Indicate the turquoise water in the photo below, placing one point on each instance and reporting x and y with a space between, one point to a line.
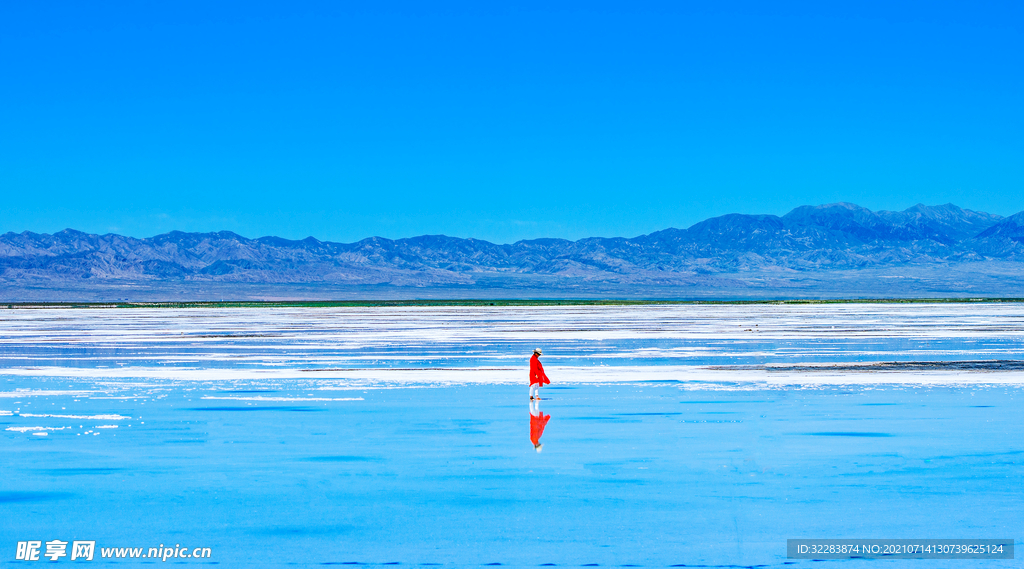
647 475
304 437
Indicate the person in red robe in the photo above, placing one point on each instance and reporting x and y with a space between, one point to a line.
537 376
538 421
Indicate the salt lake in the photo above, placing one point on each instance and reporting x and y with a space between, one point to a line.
679 435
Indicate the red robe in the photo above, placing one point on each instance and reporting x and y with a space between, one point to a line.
537 374
537 424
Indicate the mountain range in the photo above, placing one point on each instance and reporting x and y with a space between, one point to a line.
730 252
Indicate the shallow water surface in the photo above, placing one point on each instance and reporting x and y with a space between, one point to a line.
265 435
628 475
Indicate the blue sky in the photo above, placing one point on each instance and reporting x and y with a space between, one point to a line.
499 120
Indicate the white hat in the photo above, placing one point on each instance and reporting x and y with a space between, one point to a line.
536 351
538 447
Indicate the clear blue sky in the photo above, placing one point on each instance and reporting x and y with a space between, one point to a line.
499 120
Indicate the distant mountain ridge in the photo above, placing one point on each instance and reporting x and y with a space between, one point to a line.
821 238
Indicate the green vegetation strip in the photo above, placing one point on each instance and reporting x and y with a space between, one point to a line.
501 302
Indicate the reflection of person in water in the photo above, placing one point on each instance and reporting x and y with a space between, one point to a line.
538 421
537 375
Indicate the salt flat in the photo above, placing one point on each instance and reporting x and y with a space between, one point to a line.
696 435
343 347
